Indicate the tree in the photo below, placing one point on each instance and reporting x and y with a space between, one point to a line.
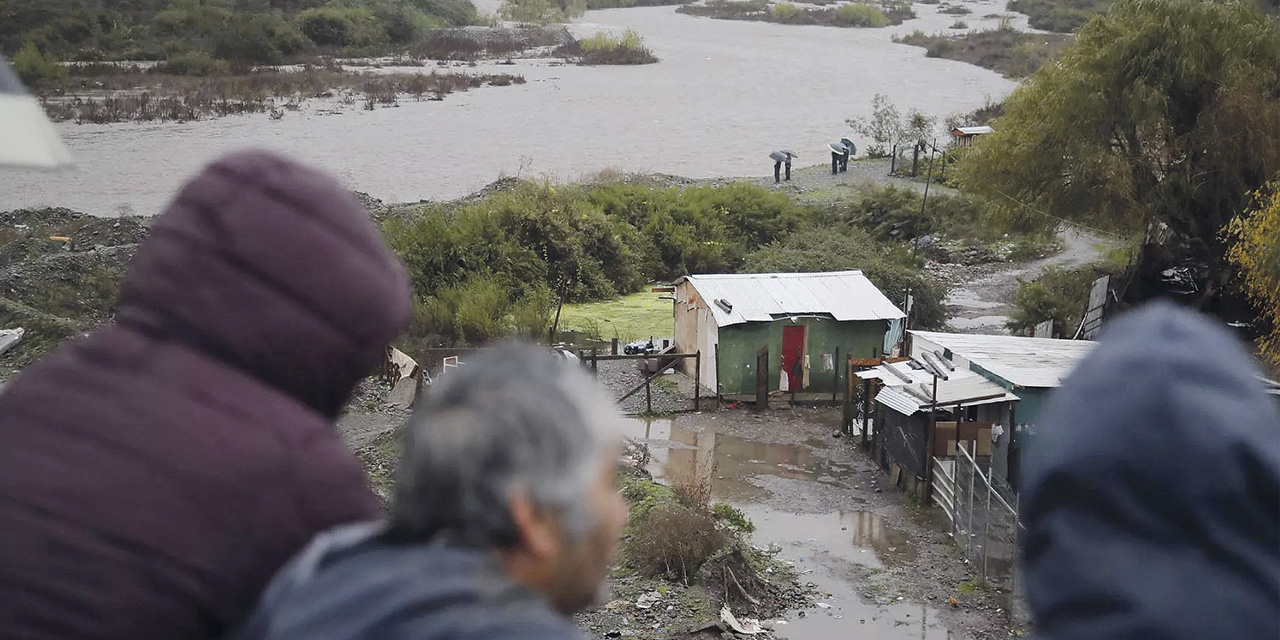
541 11
1255 251
888 127
1161 111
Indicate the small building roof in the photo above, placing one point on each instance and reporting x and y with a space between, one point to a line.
762 297
966 391
1026 362
960 132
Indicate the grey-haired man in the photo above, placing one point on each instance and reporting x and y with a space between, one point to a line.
506 517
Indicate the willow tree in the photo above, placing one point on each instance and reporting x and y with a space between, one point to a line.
1159 111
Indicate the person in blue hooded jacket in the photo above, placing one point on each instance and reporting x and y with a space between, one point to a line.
1152 496
506 517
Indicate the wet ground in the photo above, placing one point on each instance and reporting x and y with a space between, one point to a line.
883 569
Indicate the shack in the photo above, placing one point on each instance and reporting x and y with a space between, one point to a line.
964 136
808 322
913 397
1031 368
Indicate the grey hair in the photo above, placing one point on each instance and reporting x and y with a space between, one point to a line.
514 418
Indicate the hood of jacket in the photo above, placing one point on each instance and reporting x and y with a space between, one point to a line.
1152 495
275 269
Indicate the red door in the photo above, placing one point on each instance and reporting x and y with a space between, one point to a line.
793 355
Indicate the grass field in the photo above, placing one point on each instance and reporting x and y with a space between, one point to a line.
633 317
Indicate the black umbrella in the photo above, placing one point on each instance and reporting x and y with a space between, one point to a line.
27 138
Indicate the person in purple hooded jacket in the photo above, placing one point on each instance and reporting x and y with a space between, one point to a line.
156 474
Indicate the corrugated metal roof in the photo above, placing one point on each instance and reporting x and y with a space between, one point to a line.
1026 362
887 378
967 391
761 297
973 131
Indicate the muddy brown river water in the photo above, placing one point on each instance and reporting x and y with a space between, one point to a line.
724 95
829 548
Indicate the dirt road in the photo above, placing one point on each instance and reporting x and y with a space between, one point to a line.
981 296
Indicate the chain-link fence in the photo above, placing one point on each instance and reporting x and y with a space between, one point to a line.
984 520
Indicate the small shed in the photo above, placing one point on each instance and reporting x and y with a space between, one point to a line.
808 322
1032 368
963 136
965 408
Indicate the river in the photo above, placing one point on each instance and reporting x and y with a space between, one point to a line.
724 95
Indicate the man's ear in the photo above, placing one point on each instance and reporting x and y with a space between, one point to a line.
539 532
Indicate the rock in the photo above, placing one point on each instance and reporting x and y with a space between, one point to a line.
837 434
613 634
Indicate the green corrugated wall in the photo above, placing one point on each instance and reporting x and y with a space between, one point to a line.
740 343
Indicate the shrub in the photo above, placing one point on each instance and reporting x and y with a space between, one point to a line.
258 40
192 63
673 541
733 518
693 493
456 13
36 69
1058 294
341 27
605 48
542 11
860 15
787 12
959 24
941 48
403 24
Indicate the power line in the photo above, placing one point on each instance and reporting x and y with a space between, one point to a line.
1060 219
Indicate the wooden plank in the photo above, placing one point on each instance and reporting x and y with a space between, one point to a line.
895 474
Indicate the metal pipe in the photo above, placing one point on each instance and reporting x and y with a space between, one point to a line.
974 470
986 530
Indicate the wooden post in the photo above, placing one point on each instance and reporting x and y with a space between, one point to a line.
595 364
866 411
719 395
697 380
613 347
762 379
893 160
835 382
648 396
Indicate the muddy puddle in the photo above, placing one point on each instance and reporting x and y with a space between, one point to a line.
831 549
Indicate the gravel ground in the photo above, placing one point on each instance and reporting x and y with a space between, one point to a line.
671 393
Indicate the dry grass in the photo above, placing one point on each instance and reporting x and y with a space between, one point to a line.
133 95
675 542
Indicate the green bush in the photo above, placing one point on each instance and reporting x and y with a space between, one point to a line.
404 24
1058 294
941 48
606 48
192 63
542 11
341 27
860 15
733 518
36 69
258 40
454 13
787 12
